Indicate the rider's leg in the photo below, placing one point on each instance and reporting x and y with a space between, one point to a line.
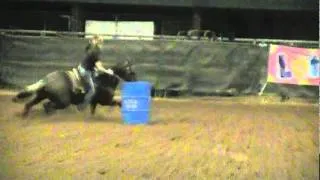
90 90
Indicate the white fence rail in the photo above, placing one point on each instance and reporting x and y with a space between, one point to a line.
45 33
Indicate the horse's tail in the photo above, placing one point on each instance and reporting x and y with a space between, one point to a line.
29 90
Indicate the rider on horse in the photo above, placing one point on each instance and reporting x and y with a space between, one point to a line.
88 65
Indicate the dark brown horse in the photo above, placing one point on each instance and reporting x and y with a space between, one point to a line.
63 88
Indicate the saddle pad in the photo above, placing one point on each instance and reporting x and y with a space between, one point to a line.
77 84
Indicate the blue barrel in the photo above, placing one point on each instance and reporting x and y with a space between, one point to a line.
136 102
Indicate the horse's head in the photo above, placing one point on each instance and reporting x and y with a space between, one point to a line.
121 70
124 71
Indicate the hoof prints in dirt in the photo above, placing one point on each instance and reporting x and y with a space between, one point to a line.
119 145
102 171
146 176
175 138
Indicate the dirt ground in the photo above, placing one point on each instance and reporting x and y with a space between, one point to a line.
197 138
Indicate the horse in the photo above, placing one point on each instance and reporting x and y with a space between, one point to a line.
65 88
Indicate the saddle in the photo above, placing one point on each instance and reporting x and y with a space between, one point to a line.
78 85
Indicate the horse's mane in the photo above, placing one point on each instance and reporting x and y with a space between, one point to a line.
110 80
120 65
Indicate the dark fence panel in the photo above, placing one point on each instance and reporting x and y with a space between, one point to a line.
194 67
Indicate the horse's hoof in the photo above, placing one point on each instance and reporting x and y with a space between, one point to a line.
88 117
284 98
24 115
46 108
15 99
81 107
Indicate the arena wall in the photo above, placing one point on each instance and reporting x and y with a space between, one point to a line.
193 67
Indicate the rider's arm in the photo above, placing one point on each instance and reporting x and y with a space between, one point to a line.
100 67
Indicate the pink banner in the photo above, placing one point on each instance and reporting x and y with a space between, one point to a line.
291 65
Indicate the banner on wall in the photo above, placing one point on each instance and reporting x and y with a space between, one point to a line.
128 30
291 65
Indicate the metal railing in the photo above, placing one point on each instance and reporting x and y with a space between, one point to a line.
45 33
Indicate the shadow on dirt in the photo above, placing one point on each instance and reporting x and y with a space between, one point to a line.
68 115
161 121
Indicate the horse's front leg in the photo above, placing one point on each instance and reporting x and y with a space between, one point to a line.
112 105
93 106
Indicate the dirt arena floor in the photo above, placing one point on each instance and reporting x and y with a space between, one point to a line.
196 138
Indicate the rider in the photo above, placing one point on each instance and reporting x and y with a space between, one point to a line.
88 65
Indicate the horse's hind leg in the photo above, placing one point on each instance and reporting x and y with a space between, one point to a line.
31 103
49 107
93 107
